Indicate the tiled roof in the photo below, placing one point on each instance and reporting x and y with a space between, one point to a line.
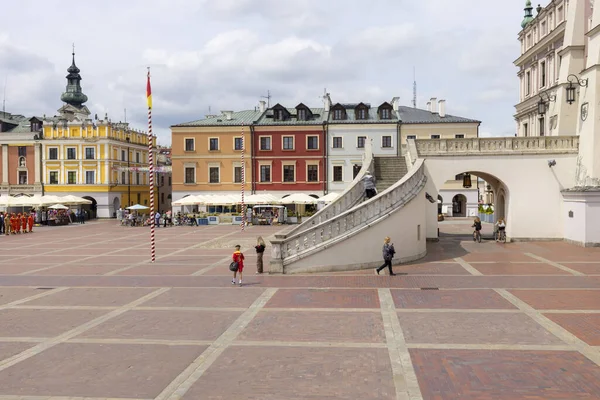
373 117
13 123
410 115
318 118
238 118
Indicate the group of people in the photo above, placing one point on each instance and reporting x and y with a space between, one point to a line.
237 264
16 223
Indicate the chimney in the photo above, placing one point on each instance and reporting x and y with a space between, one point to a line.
396 103
433 104
262 105
326 102
227 114
428 106
442 104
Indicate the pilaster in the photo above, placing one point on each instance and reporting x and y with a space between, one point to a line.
37 162
5 164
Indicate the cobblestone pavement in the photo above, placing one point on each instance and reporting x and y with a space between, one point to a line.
84 315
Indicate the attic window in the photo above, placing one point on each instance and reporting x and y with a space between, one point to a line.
361 113
302 114
337 114
279 115
385 113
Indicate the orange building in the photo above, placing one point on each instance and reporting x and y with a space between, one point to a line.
207 154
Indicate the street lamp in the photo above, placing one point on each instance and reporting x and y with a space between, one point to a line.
542 105
571 88
128 172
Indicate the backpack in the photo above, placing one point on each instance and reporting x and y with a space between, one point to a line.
234 266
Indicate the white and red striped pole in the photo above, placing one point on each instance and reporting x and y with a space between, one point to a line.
243 181
151 169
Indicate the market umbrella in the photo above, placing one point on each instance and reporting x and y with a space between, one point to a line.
298 198
49 199
260 198
328 198
70 199
59 207
137 207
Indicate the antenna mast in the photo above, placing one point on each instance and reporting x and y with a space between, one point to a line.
414 88
268 97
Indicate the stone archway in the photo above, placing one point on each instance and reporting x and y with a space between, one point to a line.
116 205
440 204
92 209
459 206
500 205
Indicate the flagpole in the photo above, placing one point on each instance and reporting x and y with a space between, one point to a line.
151 168
243 181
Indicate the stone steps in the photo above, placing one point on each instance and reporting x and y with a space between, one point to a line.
389 170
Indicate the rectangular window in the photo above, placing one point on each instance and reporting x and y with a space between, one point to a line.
559 14
360 143
237 174
435 136
289 173
213 173
189 144
22 151
22 177
265 143
338 173
459 136
288 142
525 129
90 153
543 28
312 173
123 180
169 181
386 141
123 156
54 177
71 153
90 177
72 177
53 153
361 114
302 114
312 143
542 127
214 144
238 143
337 114
137 158
337 142
385 113
190 175
527 83
137 179
265 173
543 74
162 197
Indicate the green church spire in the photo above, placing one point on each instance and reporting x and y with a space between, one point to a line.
528 14
74 95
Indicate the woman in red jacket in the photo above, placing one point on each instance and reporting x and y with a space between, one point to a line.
238 257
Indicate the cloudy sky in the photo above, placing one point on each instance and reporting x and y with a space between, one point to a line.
226 54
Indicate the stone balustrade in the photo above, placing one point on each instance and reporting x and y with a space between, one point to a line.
288 248
497 146
350 197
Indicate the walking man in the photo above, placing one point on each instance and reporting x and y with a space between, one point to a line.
369 185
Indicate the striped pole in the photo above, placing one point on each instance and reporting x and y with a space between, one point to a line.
243 181
151 168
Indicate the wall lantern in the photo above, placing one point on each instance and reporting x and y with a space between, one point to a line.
467 181
571 87
542 104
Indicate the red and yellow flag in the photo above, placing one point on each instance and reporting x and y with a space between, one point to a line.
149 92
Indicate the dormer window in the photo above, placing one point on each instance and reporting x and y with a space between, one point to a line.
279 115
337 114
385 113
361 114
302 114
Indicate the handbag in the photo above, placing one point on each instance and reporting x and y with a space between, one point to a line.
234 266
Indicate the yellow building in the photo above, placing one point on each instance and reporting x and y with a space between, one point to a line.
102 161
206 154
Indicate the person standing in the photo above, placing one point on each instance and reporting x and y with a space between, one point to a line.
6 224
24 222
157 219
369 185
388 255
260 250
238 257
30 222
1 223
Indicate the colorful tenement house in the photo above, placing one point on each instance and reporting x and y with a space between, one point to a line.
207 154
20 157
289 151
98 159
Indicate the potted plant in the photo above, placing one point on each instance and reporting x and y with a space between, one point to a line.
292 217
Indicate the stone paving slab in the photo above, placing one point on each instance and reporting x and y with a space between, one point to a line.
9 349
98 370
324 298
450 299
107 297
585 326
297 373
505 375
210 297
586 268
516 268
560 299
42 323
8 294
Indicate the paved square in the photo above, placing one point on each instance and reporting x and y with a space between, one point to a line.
481 321
505 375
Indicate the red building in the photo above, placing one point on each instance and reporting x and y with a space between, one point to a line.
288 151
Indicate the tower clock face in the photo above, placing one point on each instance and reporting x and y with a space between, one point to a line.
584 111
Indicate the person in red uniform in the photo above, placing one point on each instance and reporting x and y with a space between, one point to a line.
24 222
238 257
13 224
30 222
18 223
